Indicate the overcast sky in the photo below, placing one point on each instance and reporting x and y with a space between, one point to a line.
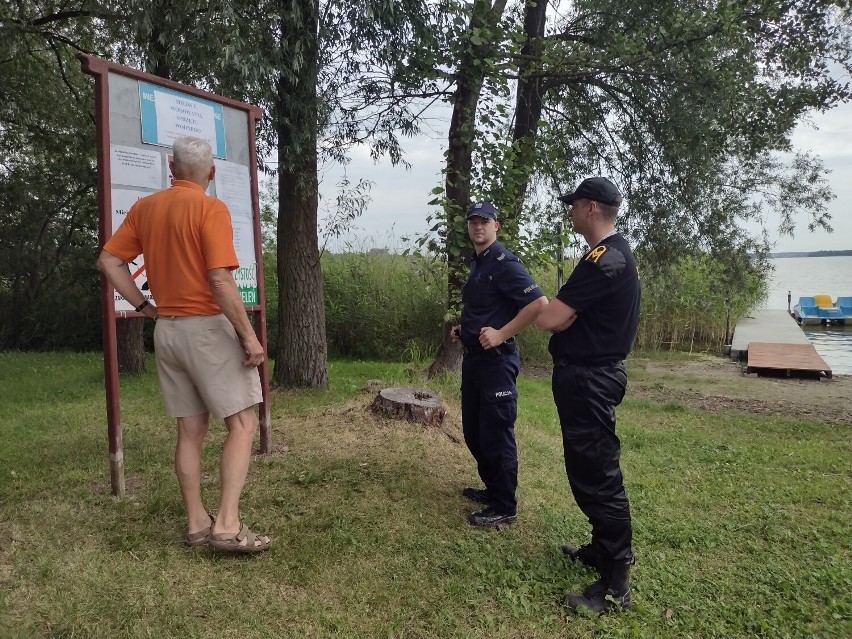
399 196
830 137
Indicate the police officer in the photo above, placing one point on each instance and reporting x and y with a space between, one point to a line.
594 319
499 299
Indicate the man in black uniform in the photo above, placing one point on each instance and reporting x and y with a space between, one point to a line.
594 319
499 300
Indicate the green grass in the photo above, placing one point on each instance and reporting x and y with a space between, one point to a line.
742 523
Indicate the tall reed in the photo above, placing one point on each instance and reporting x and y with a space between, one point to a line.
693 304
381 305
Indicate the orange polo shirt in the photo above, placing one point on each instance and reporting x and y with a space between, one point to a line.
183 233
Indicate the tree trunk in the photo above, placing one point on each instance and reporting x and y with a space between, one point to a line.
301 354
470 78
130 345
457 186
449 355
528 104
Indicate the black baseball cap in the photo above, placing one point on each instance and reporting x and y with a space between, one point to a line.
482 209
598 189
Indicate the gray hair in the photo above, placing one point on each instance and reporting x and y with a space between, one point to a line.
192 155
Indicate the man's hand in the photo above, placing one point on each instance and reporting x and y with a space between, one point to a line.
227 296
455 333
556 316
254 351
115 270
490 337
151 312
564 326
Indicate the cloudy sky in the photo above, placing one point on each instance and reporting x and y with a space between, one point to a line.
829 135
399 196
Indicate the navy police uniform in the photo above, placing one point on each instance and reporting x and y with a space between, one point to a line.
589 381
497 288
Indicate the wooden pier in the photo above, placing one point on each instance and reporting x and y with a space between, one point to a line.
772 341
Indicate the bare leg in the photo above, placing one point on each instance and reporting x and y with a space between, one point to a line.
191 433
233 470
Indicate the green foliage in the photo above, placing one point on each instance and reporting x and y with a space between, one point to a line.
688 305
380 305
48 209
268 215
385 306
270 283
693 305
665 97
688 106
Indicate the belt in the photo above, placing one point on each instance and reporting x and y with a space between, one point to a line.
506 347
561 362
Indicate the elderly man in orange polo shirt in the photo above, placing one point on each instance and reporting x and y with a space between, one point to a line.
206 348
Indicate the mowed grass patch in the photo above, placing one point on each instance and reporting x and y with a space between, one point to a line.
741 522
760 509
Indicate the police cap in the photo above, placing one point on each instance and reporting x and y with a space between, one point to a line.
482 209
598 189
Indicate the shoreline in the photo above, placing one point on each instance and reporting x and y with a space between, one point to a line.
718 384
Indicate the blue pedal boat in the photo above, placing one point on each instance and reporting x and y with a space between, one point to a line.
819 309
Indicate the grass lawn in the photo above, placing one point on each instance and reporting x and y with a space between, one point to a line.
742 523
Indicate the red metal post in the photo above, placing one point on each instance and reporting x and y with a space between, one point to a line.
260 311
99 70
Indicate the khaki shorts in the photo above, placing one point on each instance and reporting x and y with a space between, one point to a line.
200 365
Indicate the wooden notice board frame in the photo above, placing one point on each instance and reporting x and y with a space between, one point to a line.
113 126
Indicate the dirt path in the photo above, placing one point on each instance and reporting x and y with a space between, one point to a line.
718 384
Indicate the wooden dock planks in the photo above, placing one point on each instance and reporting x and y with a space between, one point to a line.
770 326
788 358
772 341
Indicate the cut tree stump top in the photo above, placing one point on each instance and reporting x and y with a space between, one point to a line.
416 405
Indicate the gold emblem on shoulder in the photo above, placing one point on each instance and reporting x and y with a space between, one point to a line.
595 254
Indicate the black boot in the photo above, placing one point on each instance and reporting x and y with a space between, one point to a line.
610 592
490 518
586 554
480 495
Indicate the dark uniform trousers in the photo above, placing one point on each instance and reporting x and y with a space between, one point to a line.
489 402
586 397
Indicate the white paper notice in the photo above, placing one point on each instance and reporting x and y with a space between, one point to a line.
243 240
233 187
180 116
122 200
130 166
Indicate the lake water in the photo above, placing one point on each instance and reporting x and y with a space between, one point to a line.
807 276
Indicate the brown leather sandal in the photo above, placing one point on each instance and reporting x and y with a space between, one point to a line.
230 542
198 538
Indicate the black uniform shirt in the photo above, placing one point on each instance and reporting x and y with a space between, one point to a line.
604 290
496 289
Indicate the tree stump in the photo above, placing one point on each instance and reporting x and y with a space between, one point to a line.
413 404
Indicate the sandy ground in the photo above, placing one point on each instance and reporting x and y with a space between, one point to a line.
718 384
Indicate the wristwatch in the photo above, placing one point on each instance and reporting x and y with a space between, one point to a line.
142 306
